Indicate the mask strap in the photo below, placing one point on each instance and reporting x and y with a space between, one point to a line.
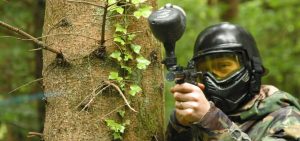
257 73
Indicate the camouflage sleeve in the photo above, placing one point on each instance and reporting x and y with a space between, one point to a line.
177 132
219 127
215 125
282 125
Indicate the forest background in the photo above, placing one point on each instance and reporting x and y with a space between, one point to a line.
275 24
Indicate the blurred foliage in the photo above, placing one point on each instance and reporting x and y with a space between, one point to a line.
18 110
273 23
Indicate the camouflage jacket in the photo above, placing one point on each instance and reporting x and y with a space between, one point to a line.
272 115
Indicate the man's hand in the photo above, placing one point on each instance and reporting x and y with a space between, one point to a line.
191 104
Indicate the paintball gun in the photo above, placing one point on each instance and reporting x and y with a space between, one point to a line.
168 25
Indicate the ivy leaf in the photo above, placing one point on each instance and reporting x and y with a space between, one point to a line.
120 28
136 48
142 63
117 136
136 1
115 76
120 10
127 57
131 37
119 40
116 55
121 113
116 127
144 11
110 2
126 68
134 89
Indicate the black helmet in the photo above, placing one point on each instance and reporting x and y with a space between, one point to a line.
229 60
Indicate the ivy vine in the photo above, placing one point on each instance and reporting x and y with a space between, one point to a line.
126 54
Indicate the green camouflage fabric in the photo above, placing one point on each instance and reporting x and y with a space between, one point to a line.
272 115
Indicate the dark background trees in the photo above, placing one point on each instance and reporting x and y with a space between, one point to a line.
274 23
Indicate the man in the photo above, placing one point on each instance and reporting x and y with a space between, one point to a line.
230 103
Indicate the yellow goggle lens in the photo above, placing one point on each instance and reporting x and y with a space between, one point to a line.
221 65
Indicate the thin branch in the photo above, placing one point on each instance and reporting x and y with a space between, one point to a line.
121 93
39 79
50 35
89 96
122 6
112 111
102 39
114 16
92 99
34 134
85 2
22 33
36 49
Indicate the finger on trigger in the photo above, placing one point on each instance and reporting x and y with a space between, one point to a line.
185 97
184 88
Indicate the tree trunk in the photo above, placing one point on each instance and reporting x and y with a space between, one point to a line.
231 11
73 28
38 57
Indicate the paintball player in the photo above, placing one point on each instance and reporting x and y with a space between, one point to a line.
230 104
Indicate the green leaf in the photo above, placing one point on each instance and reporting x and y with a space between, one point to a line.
136 48
134 89
116 55
131 37
117 128
127 57
117 136
111 2
142 63
119 40
144 11
120 28
120 10
137 1
115 76
121 113
126 68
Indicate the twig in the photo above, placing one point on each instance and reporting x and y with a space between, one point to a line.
33 134
121 93
36 49
102 39
25 85
50 36
22 33
92 99
89 96
112 111
85 2
118 16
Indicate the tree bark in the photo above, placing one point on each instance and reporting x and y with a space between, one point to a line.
66 86
38 57
231 11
